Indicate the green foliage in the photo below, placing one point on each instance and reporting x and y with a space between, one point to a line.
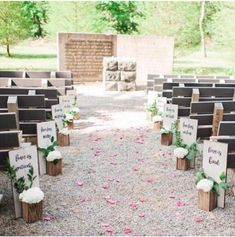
193 151
46 151
152 108
216 186
13 24
37 14
20 183
120 15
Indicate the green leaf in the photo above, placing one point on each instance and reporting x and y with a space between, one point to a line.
222 176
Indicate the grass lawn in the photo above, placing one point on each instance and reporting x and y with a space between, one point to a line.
41 54
33 55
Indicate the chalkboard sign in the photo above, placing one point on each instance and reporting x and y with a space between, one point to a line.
58 115
188 130
170 115
45 131
67 102
23 159
214 163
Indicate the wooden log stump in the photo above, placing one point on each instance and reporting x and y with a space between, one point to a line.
182 164
54 168
149 115
32 212
207 201
32 140
63 140
77 116
70 125
157 126
166 139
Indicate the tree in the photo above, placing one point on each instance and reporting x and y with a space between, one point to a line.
201 28
37 14
121 15
13 24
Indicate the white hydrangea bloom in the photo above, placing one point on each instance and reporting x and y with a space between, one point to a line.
54 155
205 185
64 131
68 117
180 152
157 118
32 195
75 110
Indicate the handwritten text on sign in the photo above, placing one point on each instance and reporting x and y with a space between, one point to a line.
215 162
23 159
188 130
67 102
58 115
170 115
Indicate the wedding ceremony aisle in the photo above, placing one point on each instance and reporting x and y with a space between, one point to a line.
118 180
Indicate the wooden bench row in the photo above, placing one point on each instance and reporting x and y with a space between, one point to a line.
33 74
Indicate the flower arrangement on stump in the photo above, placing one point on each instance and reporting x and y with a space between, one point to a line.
208 190
157 122
63 137
151 111
75 112
53 158
30 197
182 163
68 120
166 136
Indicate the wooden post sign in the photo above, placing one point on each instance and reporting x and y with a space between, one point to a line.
67 102
22 159
45 131
170 115
188 130
160 103
214 163
58 115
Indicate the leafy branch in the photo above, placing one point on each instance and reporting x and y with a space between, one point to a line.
50 148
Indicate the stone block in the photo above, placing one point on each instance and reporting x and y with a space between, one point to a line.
110 86
126 86
112 76
128 76
126 65
110 64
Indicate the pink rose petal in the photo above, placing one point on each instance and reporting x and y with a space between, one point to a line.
180 203
142 199
133 206
141 215
198 219
82 200
79 183
109 230
127 230
105 186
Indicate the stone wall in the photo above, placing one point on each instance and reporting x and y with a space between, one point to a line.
82 54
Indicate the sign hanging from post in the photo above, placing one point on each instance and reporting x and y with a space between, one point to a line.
23 159
67 102
45 131
188 130
170 115
215 163
58 115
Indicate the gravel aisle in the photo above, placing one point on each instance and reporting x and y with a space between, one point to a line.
117 180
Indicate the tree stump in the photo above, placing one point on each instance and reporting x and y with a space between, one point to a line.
54 168
63 140
207 201
182 164
166 139
32 212
157 126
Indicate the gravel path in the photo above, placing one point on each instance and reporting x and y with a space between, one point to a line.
118 180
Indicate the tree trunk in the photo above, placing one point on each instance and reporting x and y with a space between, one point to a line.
201 19
8 50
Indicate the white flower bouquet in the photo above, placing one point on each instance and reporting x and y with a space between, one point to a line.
180 152
157 118
32 195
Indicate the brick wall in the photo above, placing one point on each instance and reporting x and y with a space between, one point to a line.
83 54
